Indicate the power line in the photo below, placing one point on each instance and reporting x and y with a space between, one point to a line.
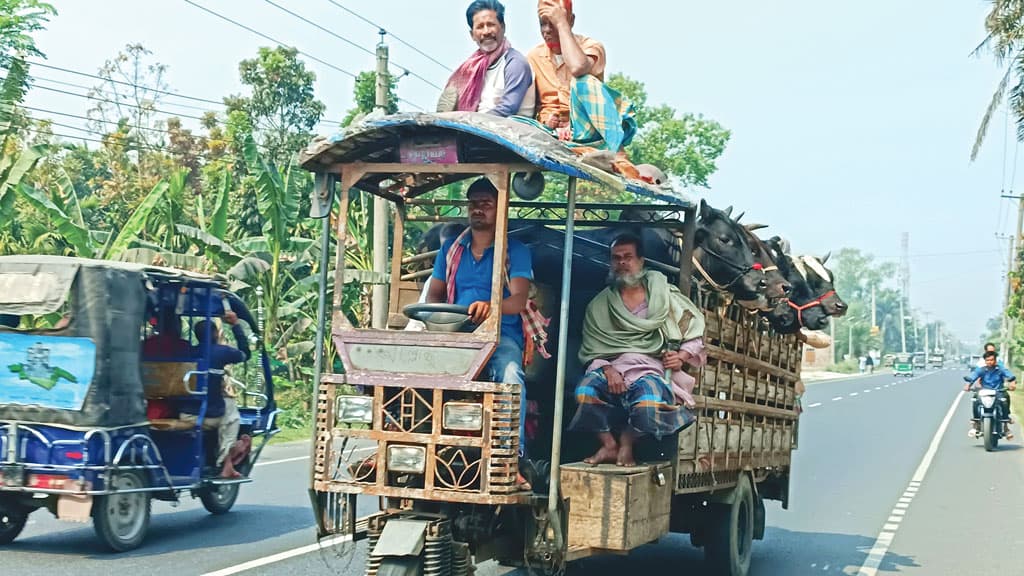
283 45
125 83
349 42
80 117
125 104
115 94
397 39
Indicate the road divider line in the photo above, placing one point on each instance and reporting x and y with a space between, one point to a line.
298 458
815 405
837 398
885 537
853 393
259 562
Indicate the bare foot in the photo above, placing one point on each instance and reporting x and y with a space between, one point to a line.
228 470
625 457
606 455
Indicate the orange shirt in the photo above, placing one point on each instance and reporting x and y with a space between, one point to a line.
552 78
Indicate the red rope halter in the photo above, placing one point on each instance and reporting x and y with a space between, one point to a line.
816 302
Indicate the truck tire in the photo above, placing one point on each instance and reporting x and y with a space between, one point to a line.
988 433
12 522
730 533
121 520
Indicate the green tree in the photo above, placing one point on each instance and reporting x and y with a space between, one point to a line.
282 109
1004 38
365 97
19 19
685 146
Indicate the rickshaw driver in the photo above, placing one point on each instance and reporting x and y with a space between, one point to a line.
217 406
462 275
627 332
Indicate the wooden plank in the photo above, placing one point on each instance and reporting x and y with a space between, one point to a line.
436 494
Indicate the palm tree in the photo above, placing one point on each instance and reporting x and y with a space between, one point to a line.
1004 38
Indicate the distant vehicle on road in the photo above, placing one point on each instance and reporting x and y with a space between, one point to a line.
919 360
937 360
903 365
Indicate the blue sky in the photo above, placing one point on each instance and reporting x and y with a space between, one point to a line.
852 121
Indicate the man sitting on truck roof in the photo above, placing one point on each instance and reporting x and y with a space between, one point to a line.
496 79
572 98
462 275
634 332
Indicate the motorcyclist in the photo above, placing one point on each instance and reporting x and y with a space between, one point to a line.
991 376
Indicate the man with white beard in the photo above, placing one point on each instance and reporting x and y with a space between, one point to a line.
638 333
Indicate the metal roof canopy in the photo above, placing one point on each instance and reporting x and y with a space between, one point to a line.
481 139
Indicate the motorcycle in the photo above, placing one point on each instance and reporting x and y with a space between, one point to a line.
992 416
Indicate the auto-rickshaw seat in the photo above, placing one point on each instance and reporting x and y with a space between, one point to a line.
166 379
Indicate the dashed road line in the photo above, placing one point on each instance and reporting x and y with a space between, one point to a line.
889 529
837 398
815 405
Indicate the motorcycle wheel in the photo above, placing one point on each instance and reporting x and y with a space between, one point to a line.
989 434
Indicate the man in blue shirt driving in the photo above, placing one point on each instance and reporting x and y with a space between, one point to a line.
991 376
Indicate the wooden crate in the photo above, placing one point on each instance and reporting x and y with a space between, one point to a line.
616 508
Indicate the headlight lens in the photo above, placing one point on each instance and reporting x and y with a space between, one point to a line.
354 410
463 416
409 459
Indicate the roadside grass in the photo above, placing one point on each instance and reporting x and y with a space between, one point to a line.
292 435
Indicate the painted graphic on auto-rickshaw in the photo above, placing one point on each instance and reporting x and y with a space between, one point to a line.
49 371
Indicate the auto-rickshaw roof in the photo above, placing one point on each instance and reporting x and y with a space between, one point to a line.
27 261
481 138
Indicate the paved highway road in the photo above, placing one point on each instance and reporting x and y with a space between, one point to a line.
885 481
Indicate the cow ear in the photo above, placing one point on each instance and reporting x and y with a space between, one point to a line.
705 210
825 258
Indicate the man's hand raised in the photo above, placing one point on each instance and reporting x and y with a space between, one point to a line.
479 311
230 317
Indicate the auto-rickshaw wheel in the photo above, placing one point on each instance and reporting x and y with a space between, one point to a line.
121 519
219 499
12 522
730 533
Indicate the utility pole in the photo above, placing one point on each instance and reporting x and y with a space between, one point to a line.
903 328
380 206
1007 325
927 348
904 287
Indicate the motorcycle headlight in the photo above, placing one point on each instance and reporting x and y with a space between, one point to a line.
409 459
354 410
463 416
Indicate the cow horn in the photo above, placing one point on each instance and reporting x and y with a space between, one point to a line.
728 211
755 227
738 218
826 257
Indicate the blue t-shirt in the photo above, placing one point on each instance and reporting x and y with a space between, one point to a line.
992 378
473 278
220 356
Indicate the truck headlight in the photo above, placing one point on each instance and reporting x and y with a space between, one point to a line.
354 410
463 416
409 459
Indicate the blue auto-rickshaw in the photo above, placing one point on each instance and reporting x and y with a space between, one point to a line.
90 426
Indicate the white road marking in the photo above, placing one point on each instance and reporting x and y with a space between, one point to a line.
895 519
905 500
297 458
891 527
853 393
815 405
837 398
867 390
279 557
885 537
898 512
878 387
